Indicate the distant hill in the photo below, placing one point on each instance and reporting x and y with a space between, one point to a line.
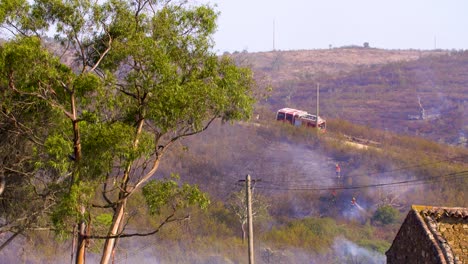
379 88
283 66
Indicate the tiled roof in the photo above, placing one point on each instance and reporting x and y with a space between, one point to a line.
448 227
433 211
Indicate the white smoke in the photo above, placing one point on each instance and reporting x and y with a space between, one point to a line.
342 251
348 252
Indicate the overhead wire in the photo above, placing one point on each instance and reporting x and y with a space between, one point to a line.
279 185
433 179
372 173
450 176
139 250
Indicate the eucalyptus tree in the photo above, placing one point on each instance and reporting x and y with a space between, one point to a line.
137 77
32 170
237 203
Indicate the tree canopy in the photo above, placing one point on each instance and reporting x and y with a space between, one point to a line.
92 113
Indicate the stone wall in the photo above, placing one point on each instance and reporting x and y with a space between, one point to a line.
455 232
414 244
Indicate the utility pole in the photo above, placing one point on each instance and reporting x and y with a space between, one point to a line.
274 35
248 201
249 217
317 119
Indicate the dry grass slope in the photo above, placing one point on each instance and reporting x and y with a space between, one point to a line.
373 87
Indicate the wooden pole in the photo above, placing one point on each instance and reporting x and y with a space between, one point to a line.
317 119
274 48
249 218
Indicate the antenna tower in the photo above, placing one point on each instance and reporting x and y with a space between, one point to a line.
274 35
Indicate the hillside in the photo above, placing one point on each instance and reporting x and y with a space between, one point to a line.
306 220
283 66
311 215
127 138
377 88
297 176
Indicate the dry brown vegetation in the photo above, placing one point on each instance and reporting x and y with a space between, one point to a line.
297 166
283 66
370 87
367 94
376 88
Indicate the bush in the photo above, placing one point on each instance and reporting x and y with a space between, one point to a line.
386 215
380 246
315 234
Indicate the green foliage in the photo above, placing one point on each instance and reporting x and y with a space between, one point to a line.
34 70
85 83
316 234
90 117
8 7
58 149
183 81
128 81
380 246
104 219
168 192
233 97
70 208
386 215
104 144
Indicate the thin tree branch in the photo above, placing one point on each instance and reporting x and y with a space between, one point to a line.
104 192
166 221
8 241
8 22
128 93
23 129
193 132
52 103
101 57
16 171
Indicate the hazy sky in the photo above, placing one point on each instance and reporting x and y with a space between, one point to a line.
316 24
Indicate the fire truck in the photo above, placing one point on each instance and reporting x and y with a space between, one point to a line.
300 118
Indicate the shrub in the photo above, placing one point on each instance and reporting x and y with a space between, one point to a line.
316 234
380 246
386 214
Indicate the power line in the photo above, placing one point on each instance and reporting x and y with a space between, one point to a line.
450 176
278 185
229 191
426 179
139 250
370 174
434 179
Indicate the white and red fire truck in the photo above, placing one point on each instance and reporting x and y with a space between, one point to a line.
300 118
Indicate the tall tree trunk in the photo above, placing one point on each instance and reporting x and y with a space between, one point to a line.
81 246
116 226
114 230
110 243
